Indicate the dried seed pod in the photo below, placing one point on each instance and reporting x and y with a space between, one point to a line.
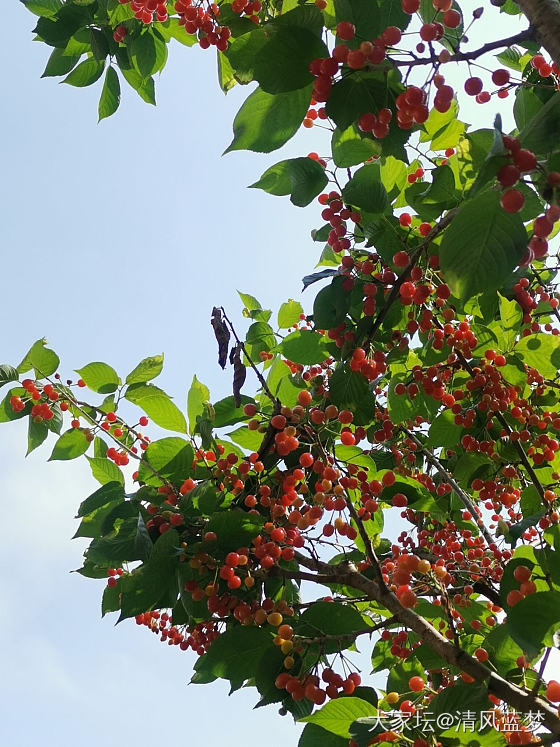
239 372
221 332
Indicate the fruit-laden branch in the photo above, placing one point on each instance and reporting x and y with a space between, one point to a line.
465 499
348 636
522 36
514 696
544 16
394 294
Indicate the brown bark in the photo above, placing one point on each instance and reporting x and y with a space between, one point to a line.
522 700
544 17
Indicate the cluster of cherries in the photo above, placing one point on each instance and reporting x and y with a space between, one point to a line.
41 409
146 11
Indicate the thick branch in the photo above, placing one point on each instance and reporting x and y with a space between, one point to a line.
544 16
521 700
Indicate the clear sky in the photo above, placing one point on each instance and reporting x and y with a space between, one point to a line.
118 239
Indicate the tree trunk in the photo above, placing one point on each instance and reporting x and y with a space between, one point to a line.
544 16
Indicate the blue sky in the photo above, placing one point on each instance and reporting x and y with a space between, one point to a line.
118 239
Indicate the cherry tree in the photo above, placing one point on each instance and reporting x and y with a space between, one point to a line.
390 476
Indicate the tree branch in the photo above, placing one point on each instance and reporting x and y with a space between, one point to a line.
476 53
465 499
405 274
521 700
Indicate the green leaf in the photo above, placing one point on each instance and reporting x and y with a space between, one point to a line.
144 87
338 715
7 374
349 390
267 121
329 618
366 191
538 134
70 445
402 407
234 655
59 63
282 64
443 431
45 8
364 14
533 621
315 736
148 53
172 29
443 129
226 77
301 178
511 317
226 413
350 147
305 347
197 396
36 434
527 105
331 304
355 95
105 471
154 582
481 247
106 494
99 377
42 359
288 314
158 406
146 370
86 73
234 529
110 95
540 351
172 459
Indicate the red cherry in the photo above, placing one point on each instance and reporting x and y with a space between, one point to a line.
512 201
345 30
473 86
508 175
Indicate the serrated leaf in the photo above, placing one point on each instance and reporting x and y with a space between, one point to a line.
146 370
282 63
540 351
7 373
110 95
197 396
338 715
99 377
36 434
351 147
482 246
301 178
42 359
366 191
105 471
266 121
305 347
86 73
158 406
171 458
70 445
289 314
59 63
